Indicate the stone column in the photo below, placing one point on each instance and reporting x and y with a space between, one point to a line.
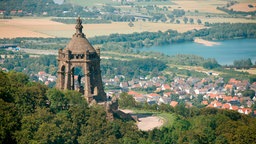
87 85
101 94
67 78
59 80
61 77
72 79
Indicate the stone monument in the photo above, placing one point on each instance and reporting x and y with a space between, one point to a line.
80 53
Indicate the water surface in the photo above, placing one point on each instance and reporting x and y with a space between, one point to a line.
225 53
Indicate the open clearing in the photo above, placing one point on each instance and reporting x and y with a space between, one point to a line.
146 122
196 68
149 122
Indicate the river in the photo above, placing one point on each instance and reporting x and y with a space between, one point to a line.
225 52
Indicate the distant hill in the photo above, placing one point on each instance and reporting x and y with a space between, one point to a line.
38 8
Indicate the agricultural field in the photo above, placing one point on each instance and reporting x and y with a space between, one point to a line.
45 28
244 7
208 6
204 6
42 27
221 19
250 71
27 27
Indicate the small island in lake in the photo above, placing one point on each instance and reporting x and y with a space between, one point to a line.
205 42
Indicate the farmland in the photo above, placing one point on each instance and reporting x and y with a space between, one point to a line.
41 27
205 6
45 28
206 12
244 7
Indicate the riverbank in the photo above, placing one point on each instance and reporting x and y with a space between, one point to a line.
205 42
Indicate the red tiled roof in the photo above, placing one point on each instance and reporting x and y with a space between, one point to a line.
246 110
161 77
229 86
218 104
137 86
212 95
41 72
226 106
205 102
210 105
166 87
157 84
235 98
235 108
173 103
168 93
132 93
154 94
233 81
227 98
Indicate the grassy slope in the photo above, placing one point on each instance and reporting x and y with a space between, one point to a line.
169 118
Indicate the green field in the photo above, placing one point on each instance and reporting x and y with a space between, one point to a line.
169 118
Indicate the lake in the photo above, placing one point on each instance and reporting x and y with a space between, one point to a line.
225 52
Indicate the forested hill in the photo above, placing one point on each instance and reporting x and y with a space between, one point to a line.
29 6
32 113
224 31
41 8
218 31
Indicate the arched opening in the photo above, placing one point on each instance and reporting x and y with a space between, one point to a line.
62 76
78 79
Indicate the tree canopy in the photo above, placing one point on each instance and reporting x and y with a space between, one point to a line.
33 113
